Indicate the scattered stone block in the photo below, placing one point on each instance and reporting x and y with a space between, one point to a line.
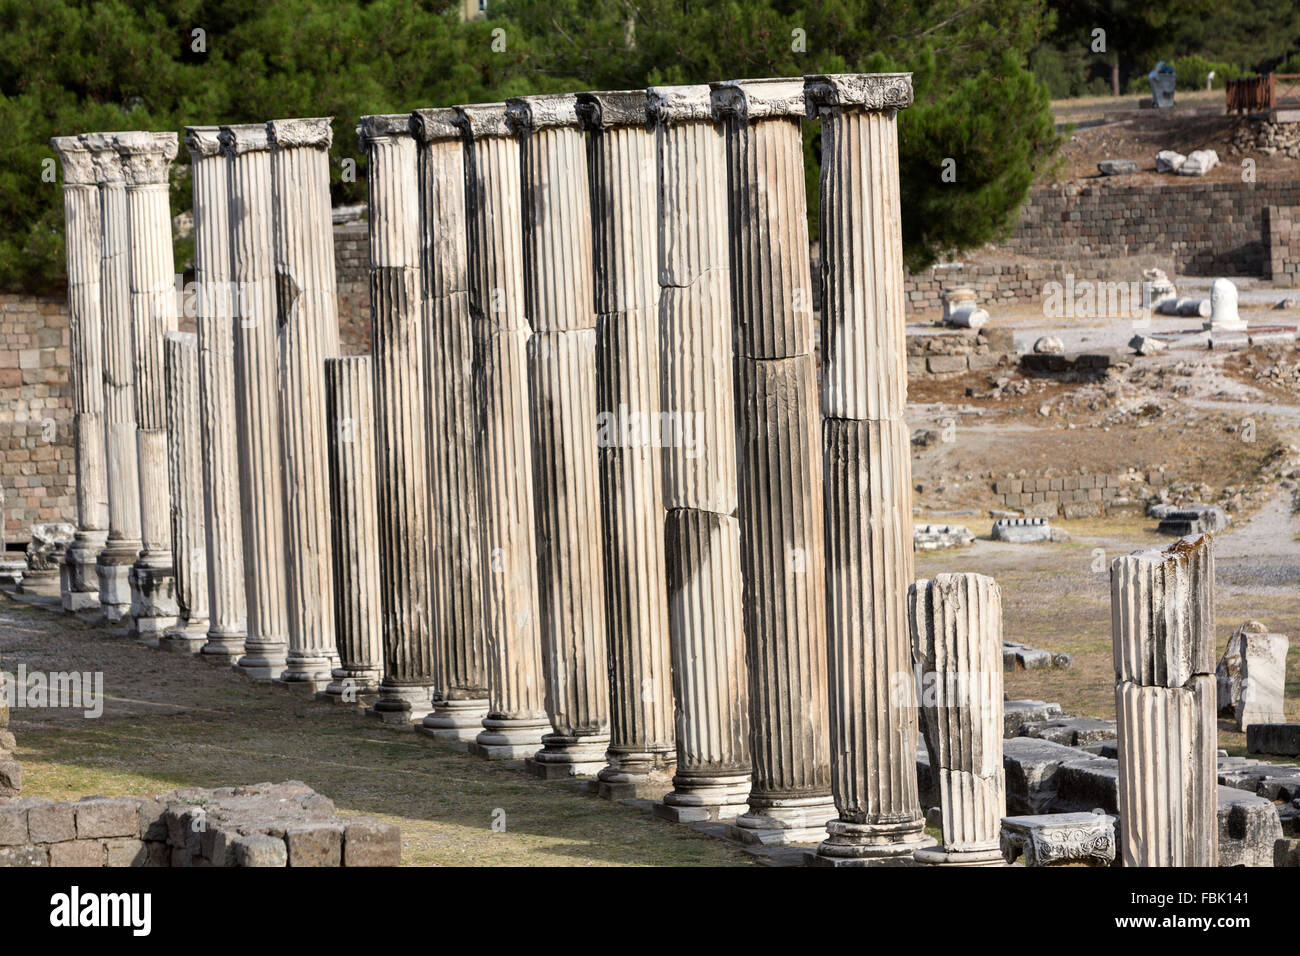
1117 167
1251 675
1286 853
1022 530
1016 713
1049 345
1273 739
937 537
1193 520
1060 839
1198 162
1071 731
1249 829
1146 345
1032 766
1169 161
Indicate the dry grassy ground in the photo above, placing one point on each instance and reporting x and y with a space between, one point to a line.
171 721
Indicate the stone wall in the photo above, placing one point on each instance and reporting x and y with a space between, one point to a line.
1210 229
285 824
947 353
36 453
1074 496
1284 245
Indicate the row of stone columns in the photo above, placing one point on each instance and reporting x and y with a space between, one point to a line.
572 508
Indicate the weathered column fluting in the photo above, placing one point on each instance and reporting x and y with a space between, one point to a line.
562 381
113 565
702 536
79 578
1162 618
956 625
781 542
867 473
358 610
460 699
621 165
257 399
401 437
215 324
516 718
185 477
146 162
308 333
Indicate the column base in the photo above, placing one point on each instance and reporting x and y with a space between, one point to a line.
78 576
402 705
262 661
350 687
224 648
563 756
637 774
185 638
938 856
509 738
455 721
699 799
871 844
113 569
313 672
784 821
12 572
153 600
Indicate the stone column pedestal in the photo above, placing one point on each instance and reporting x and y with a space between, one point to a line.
621 163
956 625
358 613
782 550
257 399
867 474
146 162
517 716
113 565
308 332
215 323
401 437
79 583
702 539
184 469
457 567
1162 614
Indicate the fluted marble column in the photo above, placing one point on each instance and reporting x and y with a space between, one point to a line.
621 164
308 332
257 399
956 625
401 437
867 473
215 323
79 578
562 379
358 610
460 699
516 717
185 477
113 565
702 538
146 162
1162 618
781 543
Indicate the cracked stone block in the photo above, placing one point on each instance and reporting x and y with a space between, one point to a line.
368 842
13 824
98 818
261 850
1071 731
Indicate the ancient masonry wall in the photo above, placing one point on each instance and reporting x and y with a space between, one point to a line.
1077 496
1211 229
36 449
285 824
